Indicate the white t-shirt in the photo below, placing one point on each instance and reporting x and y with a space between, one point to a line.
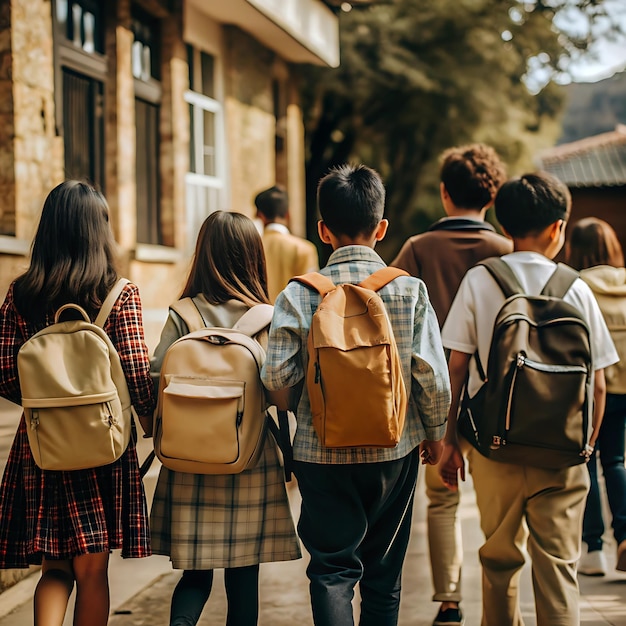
469 325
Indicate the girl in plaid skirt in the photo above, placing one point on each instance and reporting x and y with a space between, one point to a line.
234 521
70 521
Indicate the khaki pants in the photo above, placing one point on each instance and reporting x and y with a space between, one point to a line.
445 542
551 504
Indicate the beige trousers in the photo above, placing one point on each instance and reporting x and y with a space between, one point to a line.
541 510
445 542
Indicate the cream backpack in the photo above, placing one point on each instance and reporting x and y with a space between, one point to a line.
211 410
74 393
354 376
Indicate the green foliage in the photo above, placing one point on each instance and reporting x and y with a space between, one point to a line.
418 76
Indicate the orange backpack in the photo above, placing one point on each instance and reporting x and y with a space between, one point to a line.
354 376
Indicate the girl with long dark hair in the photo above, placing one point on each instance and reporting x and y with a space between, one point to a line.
234 521
69 521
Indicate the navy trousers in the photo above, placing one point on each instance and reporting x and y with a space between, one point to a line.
610 446
355 522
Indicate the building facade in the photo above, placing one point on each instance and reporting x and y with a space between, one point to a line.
174 108
594 169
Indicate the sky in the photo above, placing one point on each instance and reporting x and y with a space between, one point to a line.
606 56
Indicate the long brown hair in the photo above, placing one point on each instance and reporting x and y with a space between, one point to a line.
73 255
229 262
593 242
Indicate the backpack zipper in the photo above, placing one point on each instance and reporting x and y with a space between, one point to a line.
240 408
34 419
500 440
112 420
472 424
521 361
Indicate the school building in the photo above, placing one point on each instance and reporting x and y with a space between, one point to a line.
174 108
594 169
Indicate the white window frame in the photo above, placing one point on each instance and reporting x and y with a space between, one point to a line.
205 193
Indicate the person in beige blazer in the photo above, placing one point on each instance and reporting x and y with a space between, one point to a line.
286 255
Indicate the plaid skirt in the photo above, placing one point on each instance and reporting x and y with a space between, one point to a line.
62 515
214 521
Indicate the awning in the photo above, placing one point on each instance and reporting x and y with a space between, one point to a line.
300 31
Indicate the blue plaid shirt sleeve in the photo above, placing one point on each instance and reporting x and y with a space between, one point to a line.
284 365
430 386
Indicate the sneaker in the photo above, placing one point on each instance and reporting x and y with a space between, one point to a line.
449 617
621 557
594 563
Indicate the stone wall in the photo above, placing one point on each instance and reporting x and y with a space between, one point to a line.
31 155
38 151
7 127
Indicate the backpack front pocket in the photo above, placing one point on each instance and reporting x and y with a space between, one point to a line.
196 414
83 432
544 406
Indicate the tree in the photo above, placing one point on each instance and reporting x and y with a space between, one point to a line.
417 76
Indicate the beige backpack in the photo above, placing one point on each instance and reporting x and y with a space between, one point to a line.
211 411
74 393
354 376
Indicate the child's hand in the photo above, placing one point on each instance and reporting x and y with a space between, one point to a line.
451 464
430 451
146 425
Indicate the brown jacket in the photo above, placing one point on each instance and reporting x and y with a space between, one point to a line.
442 255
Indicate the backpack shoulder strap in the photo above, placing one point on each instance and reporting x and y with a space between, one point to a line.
188 311
322 284
561 280
382 277
255 319
503 275
109 301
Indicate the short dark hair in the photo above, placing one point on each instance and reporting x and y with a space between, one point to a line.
472 174
592 241
532 202
351 200
273 202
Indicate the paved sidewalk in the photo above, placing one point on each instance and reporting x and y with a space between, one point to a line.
141 590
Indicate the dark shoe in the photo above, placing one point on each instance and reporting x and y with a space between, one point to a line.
449 617
620 566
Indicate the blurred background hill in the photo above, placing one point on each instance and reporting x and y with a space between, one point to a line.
593 108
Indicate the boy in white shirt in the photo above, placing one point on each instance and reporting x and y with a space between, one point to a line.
533 211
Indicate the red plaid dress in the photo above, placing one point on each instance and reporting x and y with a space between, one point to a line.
61 515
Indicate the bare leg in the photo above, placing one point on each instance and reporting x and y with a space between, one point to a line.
92 589
52 593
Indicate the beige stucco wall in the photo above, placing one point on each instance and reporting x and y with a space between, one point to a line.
249 117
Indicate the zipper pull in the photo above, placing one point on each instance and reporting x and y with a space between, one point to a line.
317 372
496 442
521 360
34 419
112 420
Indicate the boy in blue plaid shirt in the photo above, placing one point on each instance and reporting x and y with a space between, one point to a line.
357 502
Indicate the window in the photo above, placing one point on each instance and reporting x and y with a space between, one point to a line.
206 162
81 23
83 126
145 65
80 72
